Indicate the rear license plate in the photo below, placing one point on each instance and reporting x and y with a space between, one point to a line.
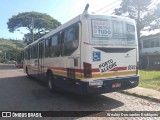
116 85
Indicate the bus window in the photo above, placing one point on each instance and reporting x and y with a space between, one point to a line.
130 28
71 38
118 27
33 51
25 54
55 46
36 51
130 32
77 32
40 50
29 53
47 48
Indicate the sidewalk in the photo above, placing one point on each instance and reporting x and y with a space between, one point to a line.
144 93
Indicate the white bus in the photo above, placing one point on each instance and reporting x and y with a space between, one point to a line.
88 54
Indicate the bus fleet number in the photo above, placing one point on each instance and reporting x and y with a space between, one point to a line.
131 67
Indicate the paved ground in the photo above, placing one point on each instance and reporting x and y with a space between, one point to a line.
150 94
18 93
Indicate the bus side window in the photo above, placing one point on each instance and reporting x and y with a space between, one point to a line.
29 53
62 42
55 46
47 48
71 40
40 50
62 37
36 51
76 40
33 51
26 54
77 32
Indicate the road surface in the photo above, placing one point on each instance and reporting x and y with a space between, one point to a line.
19 93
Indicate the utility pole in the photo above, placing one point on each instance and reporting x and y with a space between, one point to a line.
32 29
16 49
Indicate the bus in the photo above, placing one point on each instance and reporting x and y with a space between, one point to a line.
90 54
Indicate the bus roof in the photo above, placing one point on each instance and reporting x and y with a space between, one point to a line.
74 20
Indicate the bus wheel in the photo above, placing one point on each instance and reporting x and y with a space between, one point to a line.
50 82
27 73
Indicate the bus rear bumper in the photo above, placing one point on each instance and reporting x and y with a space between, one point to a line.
112 85
102 86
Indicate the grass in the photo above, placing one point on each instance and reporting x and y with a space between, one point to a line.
8 44
150 79
4 64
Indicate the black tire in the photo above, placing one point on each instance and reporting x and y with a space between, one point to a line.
27 73
50 79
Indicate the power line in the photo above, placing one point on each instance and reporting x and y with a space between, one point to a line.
152 4
106 6
94 12
111 8
70 15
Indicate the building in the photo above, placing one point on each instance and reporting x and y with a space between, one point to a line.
150 52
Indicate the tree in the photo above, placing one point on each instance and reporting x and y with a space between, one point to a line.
136 9
14 54
2 57
28 37
156 23
36 23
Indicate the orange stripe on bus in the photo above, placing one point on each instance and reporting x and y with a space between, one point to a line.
76 70
113 74
79 73
64 73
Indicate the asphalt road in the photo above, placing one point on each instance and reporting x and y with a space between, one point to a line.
19 93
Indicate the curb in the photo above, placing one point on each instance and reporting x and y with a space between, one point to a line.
141 96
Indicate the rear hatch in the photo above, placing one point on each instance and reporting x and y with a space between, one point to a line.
114 62
114 50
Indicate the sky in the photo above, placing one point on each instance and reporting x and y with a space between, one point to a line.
62 10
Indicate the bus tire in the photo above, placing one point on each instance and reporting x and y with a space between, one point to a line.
50 79
27 73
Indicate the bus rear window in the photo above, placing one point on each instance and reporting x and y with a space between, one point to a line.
113 32
118 27
101 28
130 28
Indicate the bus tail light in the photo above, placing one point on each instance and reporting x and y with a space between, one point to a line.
87 70
137 68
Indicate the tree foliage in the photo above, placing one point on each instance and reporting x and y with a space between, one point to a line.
131 8
11 54
158 10
37 23
136 9
14 54
28 37
11 49
156 23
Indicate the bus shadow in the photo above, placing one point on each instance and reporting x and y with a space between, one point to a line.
85 102
92 101
24 90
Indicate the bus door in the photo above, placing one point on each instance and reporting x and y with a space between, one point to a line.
41 73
